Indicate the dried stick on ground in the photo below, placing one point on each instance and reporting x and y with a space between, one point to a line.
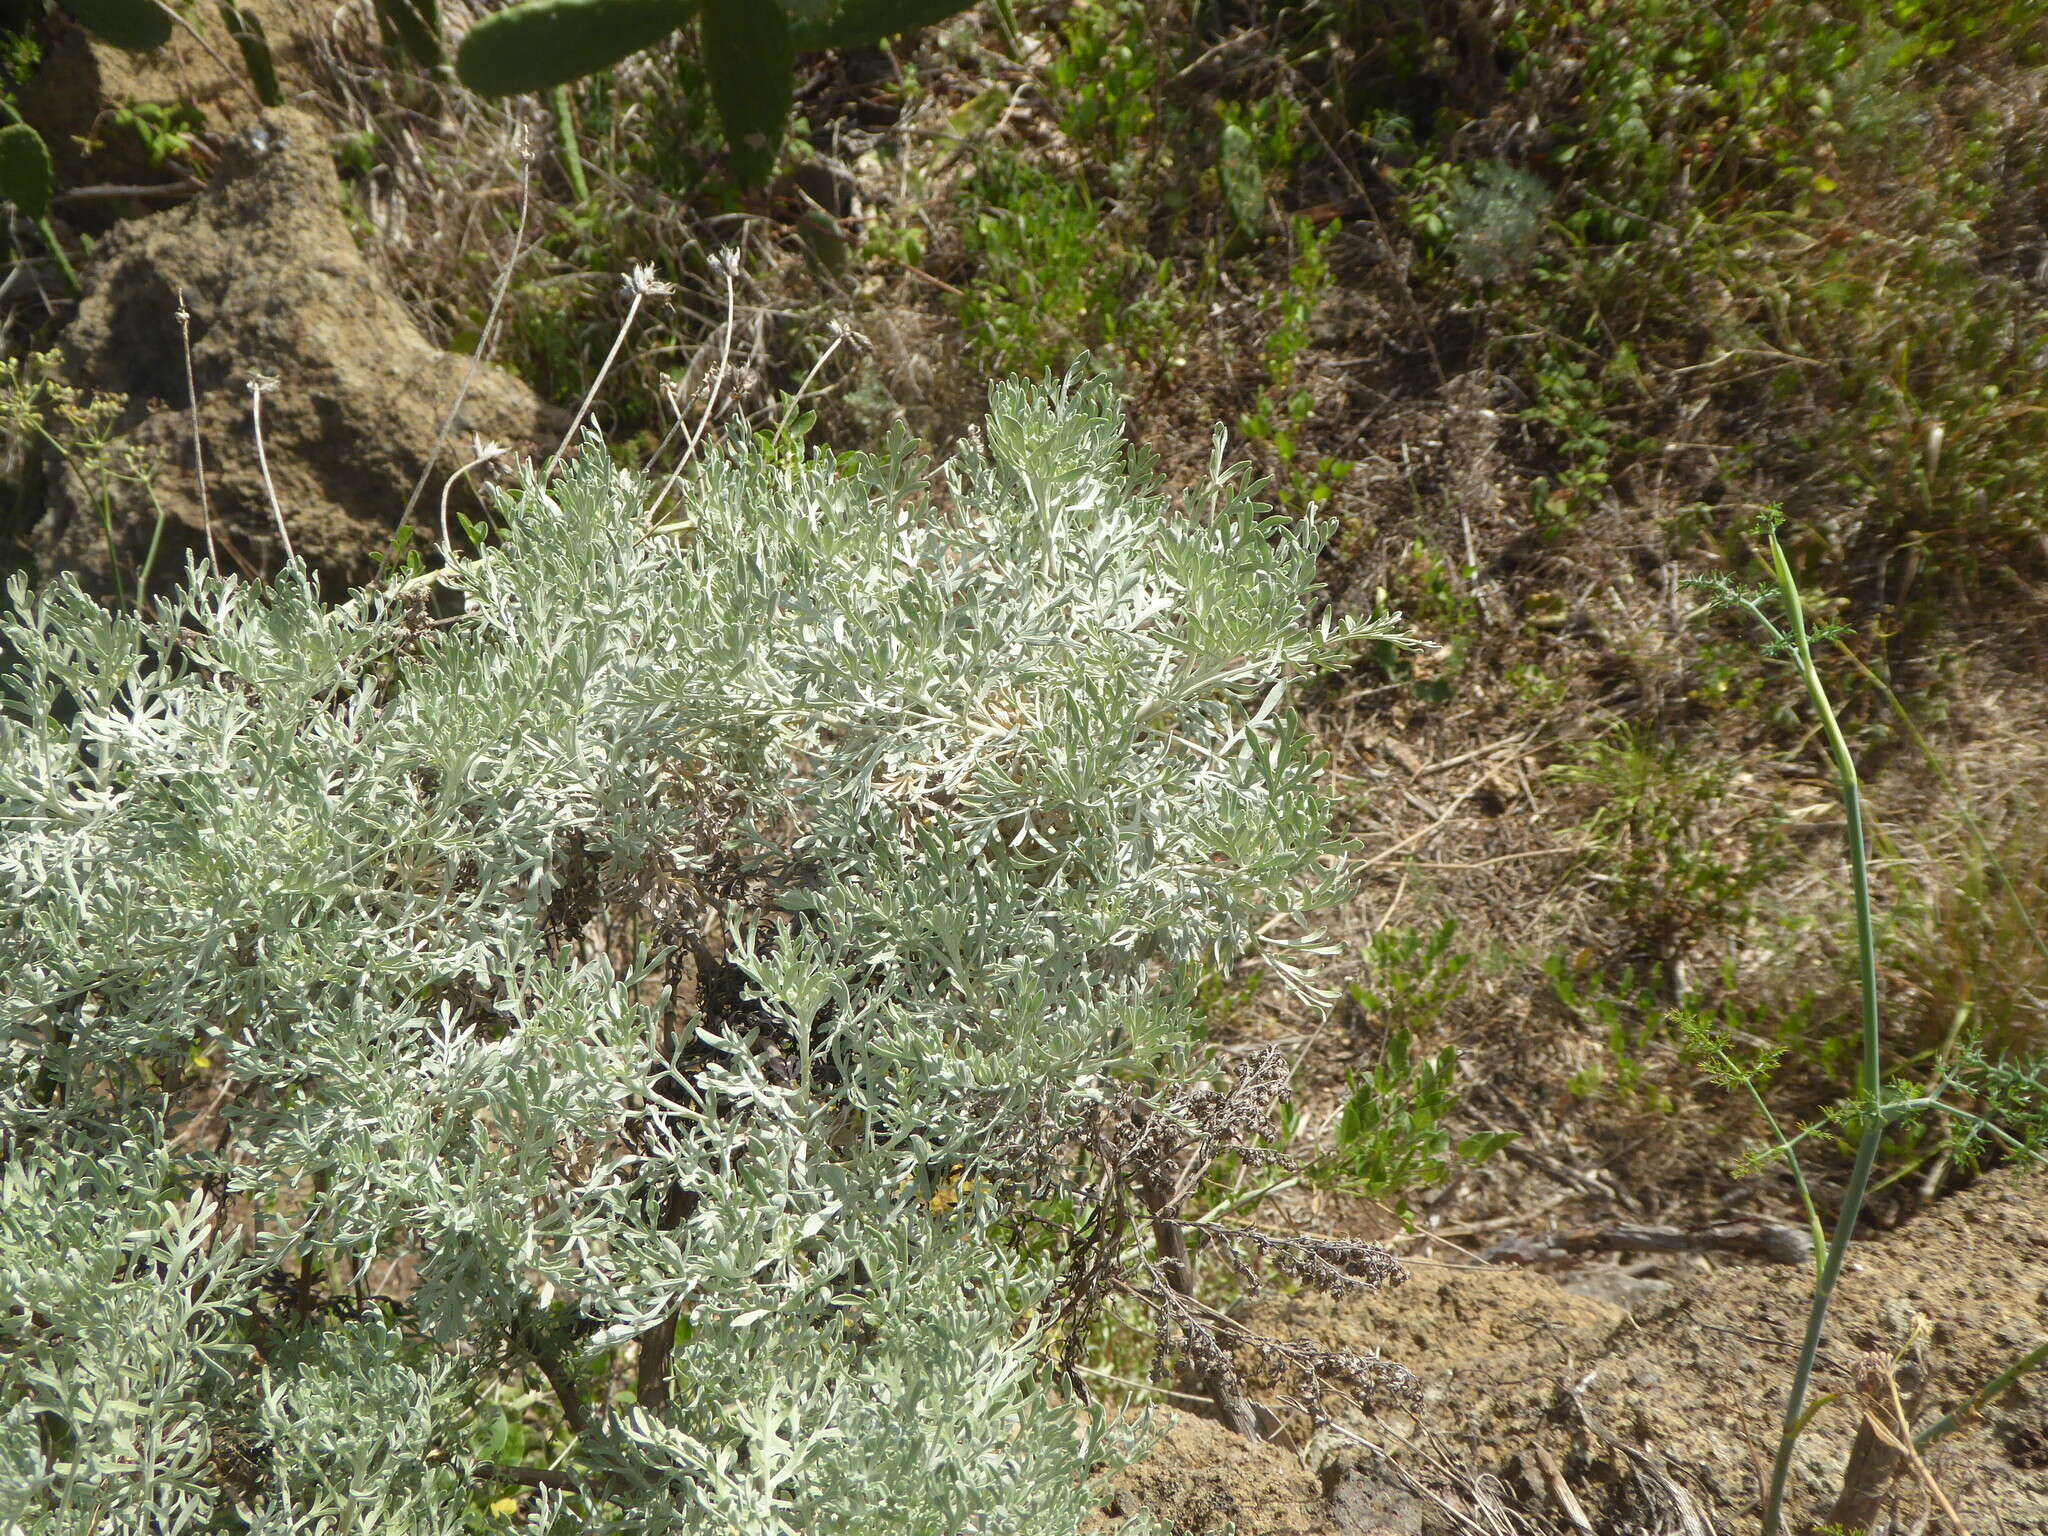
1884 1443
1774 1241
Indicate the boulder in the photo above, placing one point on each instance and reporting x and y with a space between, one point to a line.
270 275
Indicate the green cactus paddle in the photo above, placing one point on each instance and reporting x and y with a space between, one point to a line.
545 43
136 25
27 181
749 50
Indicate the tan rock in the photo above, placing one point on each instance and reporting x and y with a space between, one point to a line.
82 84
275 286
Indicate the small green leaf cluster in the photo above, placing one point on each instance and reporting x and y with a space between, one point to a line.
1682 858
638 989
1285 406
1391 1136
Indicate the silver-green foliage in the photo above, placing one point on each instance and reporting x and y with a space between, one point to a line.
315 969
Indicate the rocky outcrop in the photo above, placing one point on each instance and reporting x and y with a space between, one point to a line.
265 265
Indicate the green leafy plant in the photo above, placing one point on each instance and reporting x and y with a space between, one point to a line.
1877 1104
1390 1137
1258 143
1437 595
40 410
1677 854
1107 78
168 131
1411 977
1799 219
1621 1008
656 971
1783 199
1058 275
1285 408
1572 405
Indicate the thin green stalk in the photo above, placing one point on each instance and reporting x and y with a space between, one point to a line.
1949 1423
1791 1157
156 539
1873 1067
49 234
113 551
565 134
1231 1205
2010 1142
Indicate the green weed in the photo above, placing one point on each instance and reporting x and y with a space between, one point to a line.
1058 274
1623 1008
1391 1136
1284 408
1677 858
1880 1103
1411 977
1801 205
1437 600
1801 218
168 131
21 52
39 410
1572 407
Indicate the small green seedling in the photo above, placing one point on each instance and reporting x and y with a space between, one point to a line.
1391 1137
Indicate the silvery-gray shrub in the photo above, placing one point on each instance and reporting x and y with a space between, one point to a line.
692 930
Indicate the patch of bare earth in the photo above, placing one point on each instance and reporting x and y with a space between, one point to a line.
1544 1410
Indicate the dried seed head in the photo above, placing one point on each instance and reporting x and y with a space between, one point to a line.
641 283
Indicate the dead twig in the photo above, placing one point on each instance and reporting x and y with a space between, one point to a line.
1769 1240
1884 1442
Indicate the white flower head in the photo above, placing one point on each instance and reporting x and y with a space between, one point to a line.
642 283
